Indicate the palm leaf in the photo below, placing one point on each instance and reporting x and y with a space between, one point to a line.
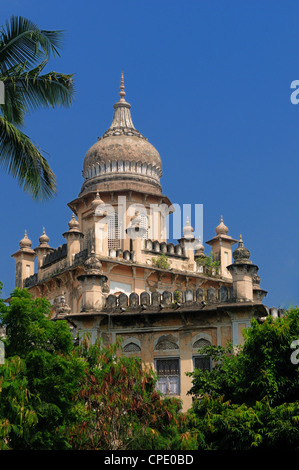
27 91
21 41
25 162
51 89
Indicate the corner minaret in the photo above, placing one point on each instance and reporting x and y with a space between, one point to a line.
243 272
73 238
43 249
221 246
24 259
92 281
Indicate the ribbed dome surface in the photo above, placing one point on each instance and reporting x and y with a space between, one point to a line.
122 148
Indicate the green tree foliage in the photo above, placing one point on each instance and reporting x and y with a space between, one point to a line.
54 395
250 398
223 425
24 52
48 373
17 416
120 408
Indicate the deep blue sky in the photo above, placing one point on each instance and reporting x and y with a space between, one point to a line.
209 85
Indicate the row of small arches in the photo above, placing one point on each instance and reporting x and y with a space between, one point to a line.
163 344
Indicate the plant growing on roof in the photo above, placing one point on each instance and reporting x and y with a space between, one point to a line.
161 262
210 265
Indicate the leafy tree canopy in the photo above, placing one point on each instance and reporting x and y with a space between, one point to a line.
47 372
250 398
120 408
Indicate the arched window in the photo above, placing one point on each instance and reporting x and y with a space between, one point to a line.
202 361
165 344
132 347
200 343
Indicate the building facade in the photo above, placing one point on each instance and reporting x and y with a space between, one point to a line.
117 275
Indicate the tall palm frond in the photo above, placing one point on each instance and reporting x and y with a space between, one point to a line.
21 158
21 41
24 52
28 90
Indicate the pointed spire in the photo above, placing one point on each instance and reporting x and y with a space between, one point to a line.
122 123
221 229
122 92
25 242
96 203
198 247
188 230
241 254
74 224
44 239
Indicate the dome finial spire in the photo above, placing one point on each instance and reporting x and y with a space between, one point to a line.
122 92
221 229
122 121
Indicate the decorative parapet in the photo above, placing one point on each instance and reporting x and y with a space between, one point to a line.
56 255
122 254
30 281
167 299
169 249
80 257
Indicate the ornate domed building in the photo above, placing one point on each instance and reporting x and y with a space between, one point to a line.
117 275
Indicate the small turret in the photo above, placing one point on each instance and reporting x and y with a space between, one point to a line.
43 249
187 242
221 246
92 282
243 272
73 238
24 259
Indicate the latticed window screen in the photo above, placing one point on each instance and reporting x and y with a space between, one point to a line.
144 224
200 343
202 362
132 347
165 344
113 232
168 373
